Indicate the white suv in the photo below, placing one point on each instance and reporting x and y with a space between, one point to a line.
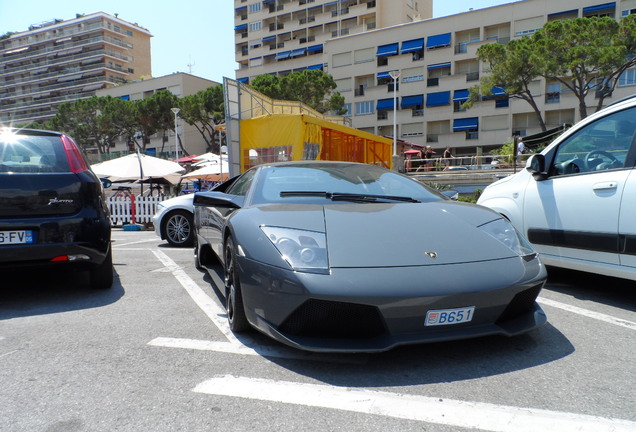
576 200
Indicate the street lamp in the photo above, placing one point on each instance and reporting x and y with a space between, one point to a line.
176 135
395 75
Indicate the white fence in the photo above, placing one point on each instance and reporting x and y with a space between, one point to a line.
121 209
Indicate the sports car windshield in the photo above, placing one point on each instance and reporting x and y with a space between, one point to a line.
330 183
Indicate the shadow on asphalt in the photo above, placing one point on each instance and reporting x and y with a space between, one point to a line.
619 293
430 363
28 293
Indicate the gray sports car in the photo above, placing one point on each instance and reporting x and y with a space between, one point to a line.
339 256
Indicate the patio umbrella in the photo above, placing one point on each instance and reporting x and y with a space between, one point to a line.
211 172
136 166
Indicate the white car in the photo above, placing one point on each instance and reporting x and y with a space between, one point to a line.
576 200
173 220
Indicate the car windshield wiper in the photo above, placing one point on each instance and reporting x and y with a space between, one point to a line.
341 196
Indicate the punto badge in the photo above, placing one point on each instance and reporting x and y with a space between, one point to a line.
431 254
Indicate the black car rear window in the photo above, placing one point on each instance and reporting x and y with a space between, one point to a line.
32 154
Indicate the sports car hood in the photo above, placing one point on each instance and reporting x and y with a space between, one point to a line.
409 234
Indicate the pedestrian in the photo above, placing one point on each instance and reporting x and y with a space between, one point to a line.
448 155
521 148
428 155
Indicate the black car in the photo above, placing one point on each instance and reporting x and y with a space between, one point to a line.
52 208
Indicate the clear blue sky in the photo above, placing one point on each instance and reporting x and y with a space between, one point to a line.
195 36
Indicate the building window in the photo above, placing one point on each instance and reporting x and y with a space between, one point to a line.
553 93
255 7
255 26
363 108
627 78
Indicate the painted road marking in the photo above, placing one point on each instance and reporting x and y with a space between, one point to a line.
218 316
588 313
473 415
257 350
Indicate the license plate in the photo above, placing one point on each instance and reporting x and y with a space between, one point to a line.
16 237
449 316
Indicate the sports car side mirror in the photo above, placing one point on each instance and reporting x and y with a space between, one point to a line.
536 166
218 199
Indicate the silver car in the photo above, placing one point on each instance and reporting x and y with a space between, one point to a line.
339 256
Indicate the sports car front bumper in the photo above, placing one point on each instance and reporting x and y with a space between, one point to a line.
376 309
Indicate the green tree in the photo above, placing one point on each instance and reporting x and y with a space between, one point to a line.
93 122
155 115
314 88
585 54
204 110
512 68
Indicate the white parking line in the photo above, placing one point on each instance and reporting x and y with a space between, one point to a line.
588 313
256 350
218 316
473 415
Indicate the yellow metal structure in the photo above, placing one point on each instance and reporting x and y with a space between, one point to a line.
284 137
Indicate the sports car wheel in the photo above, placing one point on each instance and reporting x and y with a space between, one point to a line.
178 228
233 296
197 255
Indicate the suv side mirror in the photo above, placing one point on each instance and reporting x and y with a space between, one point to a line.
106 183
536 166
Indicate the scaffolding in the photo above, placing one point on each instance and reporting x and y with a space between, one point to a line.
263 130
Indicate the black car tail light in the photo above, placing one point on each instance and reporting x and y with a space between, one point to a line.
76 161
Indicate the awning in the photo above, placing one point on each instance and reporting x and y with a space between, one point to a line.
542 138
568 12
383 75
601 7
298 52
387 50
125 97
266 2
438 65
438 99
269 38
412 45
440 40
498 91
315 67
465 124
411 101
461 95
283 55
384 104
240 27
242 8
243 80
314 48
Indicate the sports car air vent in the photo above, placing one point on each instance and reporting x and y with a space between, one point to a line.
520 304
321 318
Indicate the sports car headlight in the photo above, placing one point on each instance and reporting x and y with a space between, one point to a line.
503 231
303 250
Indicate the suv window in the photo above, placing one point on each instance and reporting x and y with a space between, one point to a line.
32 154
602 145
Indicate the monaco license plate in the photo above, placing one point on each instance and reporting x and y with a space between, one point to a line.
449 316
16 237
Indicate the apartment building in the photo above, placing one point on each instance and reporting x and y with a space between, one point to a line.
280 36
179 84
437 64
65 60
436 59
